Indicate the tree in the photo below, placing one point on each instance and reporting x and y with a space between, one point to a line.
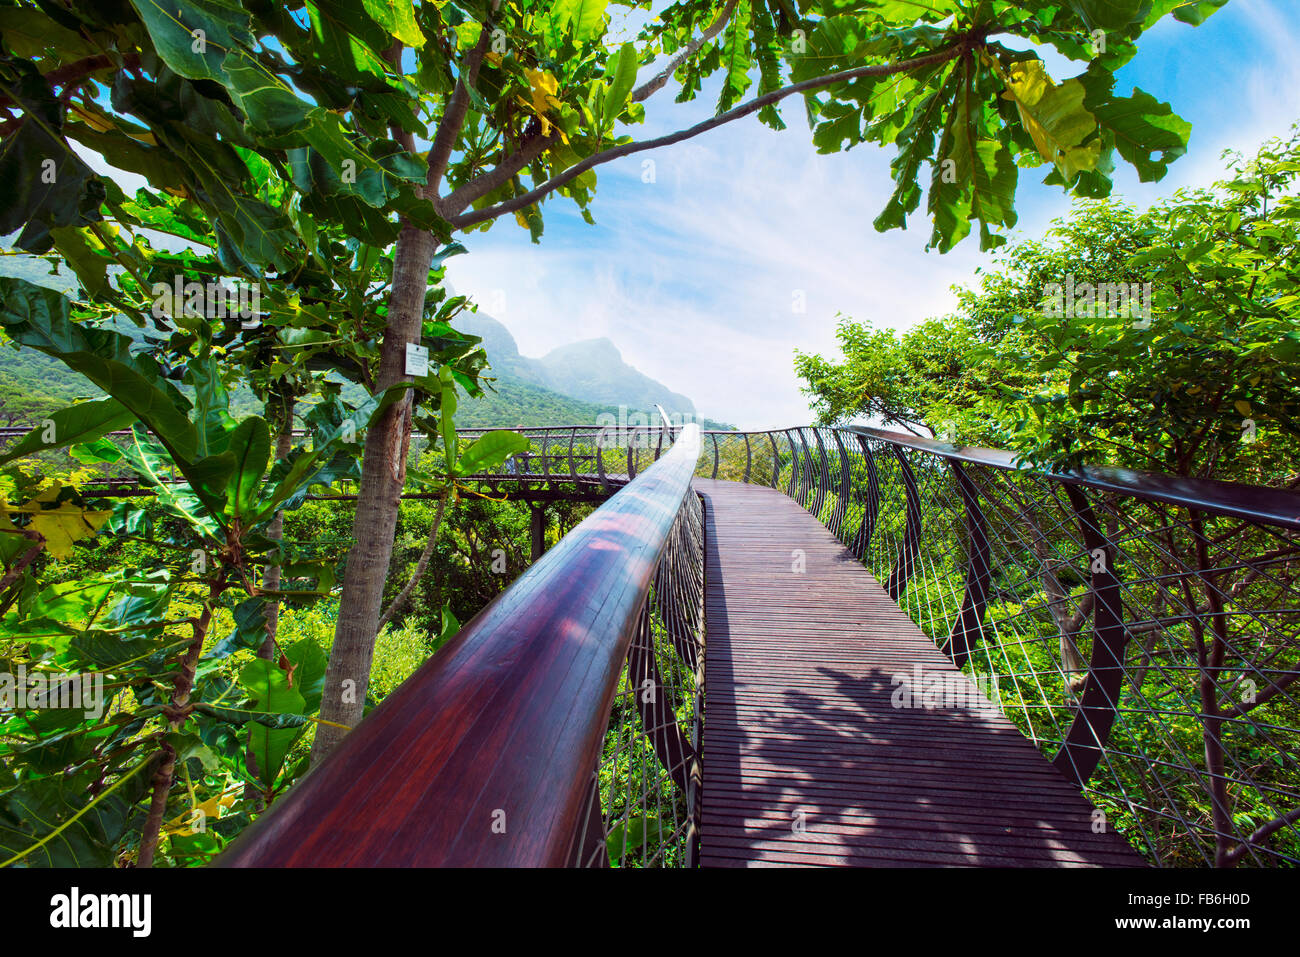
326 106
1166 340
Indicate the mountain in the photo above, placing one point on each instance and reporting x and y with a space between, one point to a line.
592 370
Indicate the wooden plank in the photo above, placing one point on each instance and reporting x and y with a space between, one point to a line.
806 760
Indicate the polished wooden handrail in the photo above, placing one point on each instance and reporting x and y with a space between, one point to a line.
485 755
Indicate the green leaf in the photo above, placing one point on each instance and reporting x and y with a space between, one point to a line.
249 631
88 827
586 19
1197 12
621 73
490 450
450 626
269 687
47 184
397 17
303 466
79 423
1143 126
1109 14
1054 117
37 317
735 57
250 444
627 838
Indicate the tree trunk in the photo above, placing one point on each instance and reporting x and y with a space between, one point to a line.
383 472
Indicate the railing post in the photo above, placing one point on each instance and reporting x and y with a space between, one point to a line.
714 437
600 464
1081 750
536 532
805 470
776 460
968 629
748 457
546 462
905 563
573 467
861 547
794 459
842 496
822 486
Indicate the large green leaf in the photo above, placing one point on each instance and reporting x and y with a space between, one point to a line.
1146 132
199 502
305 464
1196 12
1054 116
79 423
272 694
37 317
621 73
54 821
585 18
490 450
1110 14
735 57
250 445
46 184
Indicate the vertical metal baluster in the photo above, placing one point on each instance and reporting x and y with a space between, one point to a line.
1081 750
968 629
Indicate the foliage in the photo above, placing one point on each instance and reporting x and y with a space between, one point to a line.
1206 383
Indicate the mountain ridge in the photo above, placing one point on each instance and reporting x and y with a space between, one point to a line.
591 370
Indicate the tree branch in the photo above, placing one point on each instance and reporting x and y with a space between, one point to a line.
444 140
656 83
420 567
72 75
456 201
1261 832
753 106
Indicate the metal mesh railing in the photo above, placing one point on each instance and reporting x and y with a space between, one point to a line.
1143 631
644 809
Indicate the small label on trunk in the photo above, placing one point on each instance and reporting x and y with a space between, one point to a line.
417 359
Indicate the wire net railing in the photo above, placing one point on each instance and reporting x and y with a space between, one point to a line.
645 792
1148 646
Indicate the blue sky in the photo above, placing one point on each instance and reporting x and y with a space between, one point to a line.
696 275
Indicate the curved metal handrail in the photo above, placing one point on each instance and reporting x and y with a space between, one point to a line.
485 755
1252 503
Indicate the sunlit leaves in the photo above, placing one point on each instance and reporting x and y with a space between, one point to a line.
584 20
621 73
736 62
1054 116
1110 14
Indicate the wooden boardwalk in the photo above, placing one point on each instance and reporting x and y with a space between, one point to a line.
805 760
